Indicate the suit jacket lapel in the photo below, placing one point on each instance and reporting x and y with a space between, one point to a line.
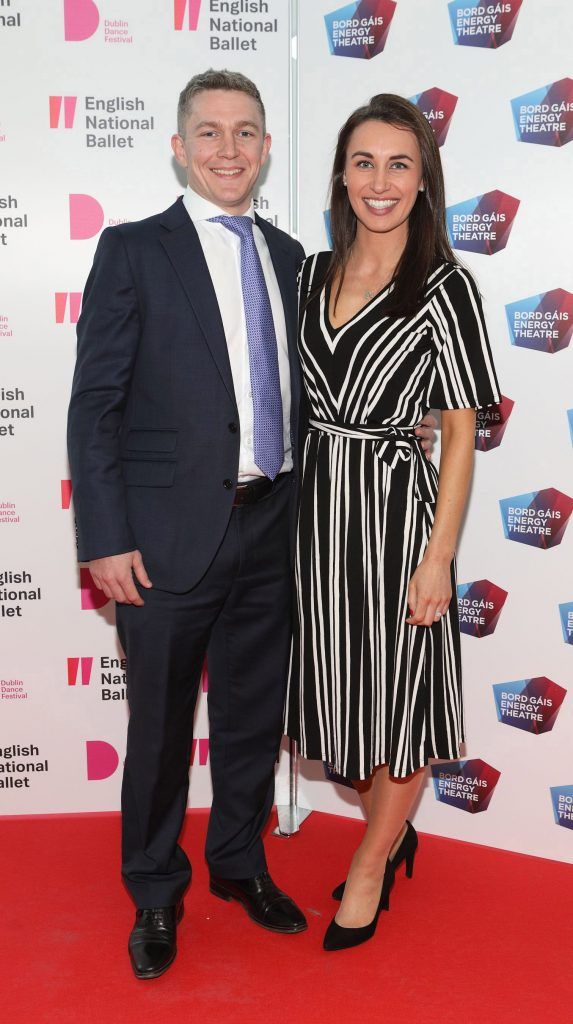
181 242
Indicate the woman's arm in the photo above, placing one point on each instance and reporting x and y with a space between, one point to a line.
430 590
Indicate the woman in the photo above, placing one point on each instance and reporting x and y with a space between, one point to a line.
390 326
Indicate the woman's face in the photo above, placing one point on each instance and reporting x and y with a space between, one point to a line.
383 174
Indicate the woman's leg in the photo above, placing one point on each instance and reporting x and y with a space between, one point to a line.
364 789
389 803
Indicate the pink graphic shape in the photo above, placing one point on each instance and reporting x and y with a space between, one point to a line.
86 216
86 670
69 110
203 745
81 19
66 492
491 422
205 678
102 760
91 597
180 7
75 302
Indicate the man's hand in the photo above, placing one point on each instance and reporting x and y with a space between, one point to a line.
426 432
114 575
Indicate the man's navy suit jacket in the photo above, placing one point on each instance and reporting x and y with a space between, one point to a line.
153 423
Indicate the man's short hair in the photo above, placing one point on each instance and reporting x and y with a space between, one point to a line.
234 81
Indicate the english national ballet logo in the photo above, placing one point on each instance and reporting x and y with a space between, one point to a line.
483 223
468 785
186 15
545 116
529 704
562 799
360 29
539 518
86 216
67 307
62 111
488 25
566 615
438 107
101 760
79 671
542 322
479 607
491 422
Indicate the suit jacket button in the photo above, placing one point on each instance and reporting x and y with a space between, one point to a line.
227 484
233 428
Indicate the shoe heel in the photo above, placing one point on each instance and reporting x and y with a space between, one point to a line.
410 863
217 890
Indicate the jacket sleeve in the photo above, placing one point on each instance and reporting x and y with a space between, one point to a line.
108 336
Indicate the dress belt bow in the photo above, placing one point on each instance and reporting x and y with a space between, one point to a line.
391 444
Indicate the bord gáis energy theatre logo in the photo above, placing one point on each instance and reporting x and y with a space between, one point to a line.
359 29
479 607
483 223
467 785
484 24
545 116
542 322
529 704
539 518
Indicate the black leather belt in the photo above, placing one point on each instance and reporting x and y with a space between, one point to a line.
251 491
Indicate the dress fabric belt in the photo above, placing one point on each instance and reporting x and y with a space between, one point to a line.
392 445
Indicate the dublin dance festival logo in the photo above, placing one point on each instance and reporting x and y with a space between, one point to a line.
468 785
542 322
438 107
81 20
360 29
545 116
530 704
479 607
484 24
539 518
491 422
483 223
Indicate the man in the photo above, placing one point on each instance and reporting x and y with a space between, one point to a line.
183 435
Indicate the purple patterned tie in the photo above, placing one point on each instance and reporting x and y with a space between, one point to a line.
263 354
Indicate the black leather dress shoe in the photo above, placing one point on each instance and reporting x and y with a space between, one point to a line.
153 940
264 902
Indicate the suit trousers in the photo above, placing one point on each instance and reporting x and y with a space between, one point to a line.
239 614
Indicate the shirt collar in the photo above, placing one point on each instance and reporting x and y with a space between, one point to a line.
201 209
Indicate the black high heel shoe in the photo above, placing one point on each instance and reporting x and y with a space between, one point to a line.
337 937
405 852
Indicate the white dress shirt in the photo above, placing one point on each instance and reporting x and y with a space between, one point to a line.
222 249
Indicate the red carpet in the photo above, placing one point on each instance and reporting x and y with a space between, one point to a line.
477 936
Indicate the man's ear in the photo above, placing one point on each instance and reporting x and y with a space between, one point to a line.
179 150
266 148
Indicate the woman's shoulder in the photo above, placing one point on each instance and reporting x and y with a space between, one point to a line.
314 269
450 279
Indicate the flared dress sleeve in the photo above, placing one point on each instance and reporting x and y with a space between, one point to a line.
464 375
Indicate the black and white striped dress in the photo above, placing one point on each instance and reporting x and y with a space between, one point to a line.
366 689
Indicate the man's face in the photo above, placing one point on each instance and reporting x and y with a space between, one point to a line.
223 148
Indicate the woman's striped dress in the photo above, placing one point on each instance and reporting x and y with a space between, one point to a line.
366 689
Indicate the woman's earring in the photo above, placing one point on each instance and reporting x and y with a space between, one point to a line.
344 180
421 188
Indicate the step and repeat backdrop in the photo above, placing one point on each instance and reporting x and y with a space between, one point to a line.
85 121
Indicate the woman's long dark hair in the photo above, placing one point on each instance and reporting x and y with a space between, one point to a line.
427 243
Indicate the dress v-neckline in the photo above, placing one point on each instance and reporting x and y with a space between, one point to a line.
333 328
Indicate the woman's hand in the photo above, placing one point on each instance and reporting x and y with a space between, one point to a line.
430 592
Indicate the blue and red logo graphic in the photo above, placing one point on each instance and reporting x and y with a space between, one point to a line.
570 422
360 29
539 518
438 107
482 224
479 607
562 799
491 422
490 25
542 322
566 614
332 776
530 704
545 116
468 785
